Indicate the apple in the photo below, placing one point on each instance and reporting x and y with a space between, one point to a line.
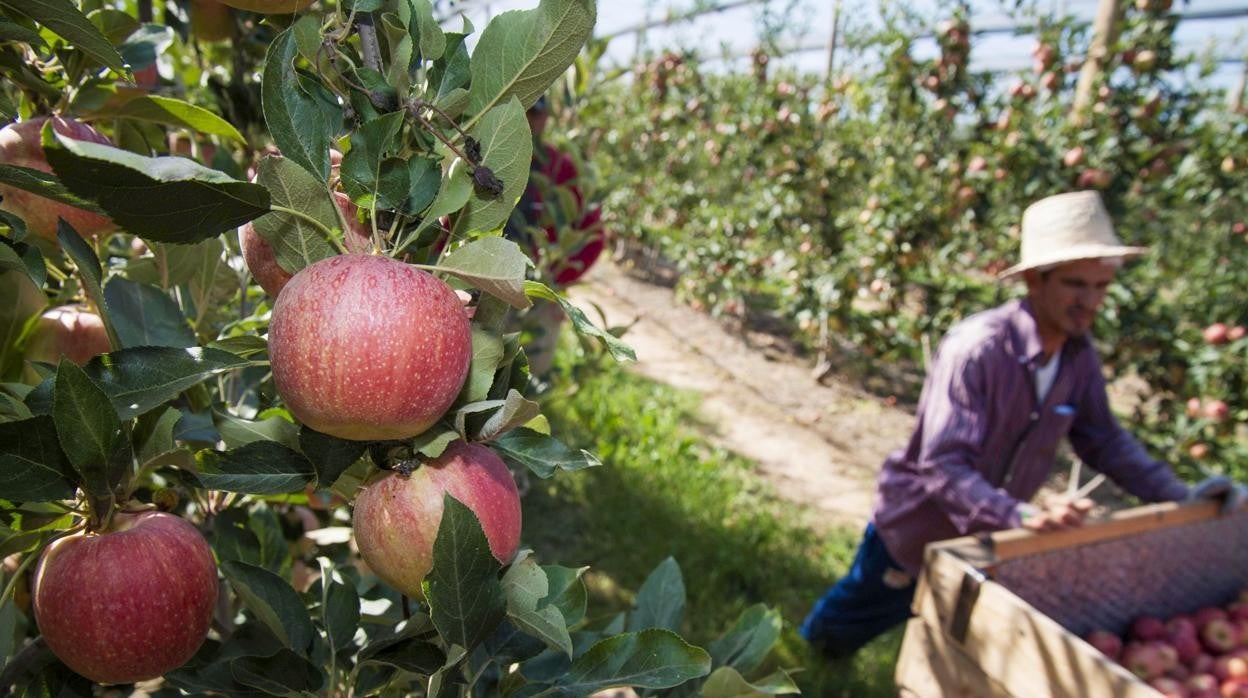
1237 610
1217 410
1143 660
1219 635
396 516
1194 407
1094 178
1234 688
1199 450
1216 333
72 331
977 164
21 145
368 348
1168 687
1207 613
129 603
211 20
1106 642
1236 333
1073 157
262 260
1147 628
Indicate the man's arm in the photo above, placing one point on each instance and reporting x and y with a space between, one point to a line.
1102 443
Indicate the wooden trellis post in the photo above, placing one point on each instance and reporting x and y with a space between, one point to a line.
836 25
1104 34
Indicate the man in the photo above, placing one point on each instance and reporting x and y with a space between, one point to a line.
1004 388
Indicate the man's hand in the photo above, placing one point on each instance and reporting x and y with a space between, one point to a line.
1232 494
1057 514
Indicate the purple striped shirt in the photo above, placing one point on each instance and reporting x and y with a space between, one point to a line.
983 443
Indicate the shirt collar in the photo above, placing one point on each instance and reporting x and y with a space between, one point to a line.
1027 345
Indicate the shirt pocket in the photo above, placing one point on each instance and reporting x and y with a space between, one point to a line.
1039 451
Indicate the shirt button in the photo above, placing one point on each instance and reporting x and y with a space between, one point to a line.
1034 416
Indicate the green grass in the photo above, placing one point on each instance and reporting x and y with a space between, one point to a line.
664 491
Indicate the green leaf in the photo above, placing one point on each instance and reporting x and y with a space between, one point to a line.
274 602
296 241
69 23
465 598
142 378
301 123
425 177
567 592
453 70
168 112
541 453
283 674
522 52
166 199
369 170
407 653
493 264
487 356
24 258
247 345
236 431
114 24
44 184
340 607
32 466
260 467
10 31
146 316
517 410
233 539
507 149
87 425
89 271
661 600
727 682
652 658
619 350
426 34
747 643
330 455
23 300
433 441
453 194
154 434
526 587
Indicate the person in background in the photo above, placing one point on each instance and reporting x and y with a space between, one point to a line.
1004 388
555 223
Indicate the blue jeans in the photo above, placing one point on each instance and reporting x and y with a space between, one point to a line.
873 597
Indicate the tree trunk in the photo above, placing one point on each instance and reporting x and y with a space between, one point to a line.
1104 34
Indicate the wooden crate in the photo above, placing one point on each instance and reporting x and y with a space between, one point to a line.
1002 615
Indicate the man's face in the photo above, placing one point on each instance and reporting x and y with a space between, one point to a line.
1065 299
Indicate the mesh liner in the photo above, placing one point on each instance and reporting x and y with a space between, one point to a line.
1163 572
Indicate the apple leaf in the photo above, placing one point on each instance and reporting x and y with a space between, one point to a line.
727 682
236 431
32 465
517 410
371 174
283 674
493 264
302 118
330 455
567 591
66 21
166 199
660 602
452 71
454 191
407 653
541 453
507 150
153 433
618 349
24 258
44 184
10 31
433 442
427 35
487 356
143 378
273 601
465 598
260 467
340 607
295 240
654 658
87 425
166 111
747 643
144 315
89 272
527 588
22 301
522 52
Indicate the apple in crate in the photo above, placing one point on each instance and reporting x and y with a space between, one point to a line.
1106 642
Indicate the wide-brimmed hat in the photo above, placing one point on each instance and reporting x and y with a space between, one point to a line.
1067 228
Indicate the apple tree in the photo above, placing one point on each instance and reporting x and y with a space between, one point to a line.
260 406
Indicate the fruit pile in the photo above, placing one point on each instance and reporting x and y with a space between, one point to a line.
1201 655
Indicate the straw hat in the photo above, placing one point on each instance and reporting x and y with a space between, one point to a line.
1067 228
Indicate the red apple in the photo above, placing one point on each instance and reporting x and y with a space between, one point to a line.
1168 687
1235 688
1237 332
1199 451
262 260
1230 666
71 331
1143 660
130 603
1148 628
1237 610
21 144
1094 178
1200 684
1108 643
1073 157
1207 613
397 516
1216 333
368 348
1194 407
1219 636
1217 410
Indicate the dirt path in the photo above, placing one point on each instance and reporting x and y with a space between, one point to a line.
820 444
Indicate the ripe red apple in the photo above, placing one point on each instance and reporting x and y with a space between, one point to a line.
1237 610
1199 450
1234 688
368 348
1073 157
1148 628
977 164
1207 613
21 145
1218 635
1106 642
1168 687
69 330
1217 410
130 603
1194 407
1216 333
1094 178
1143 660
1236 333
397 516
262 260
